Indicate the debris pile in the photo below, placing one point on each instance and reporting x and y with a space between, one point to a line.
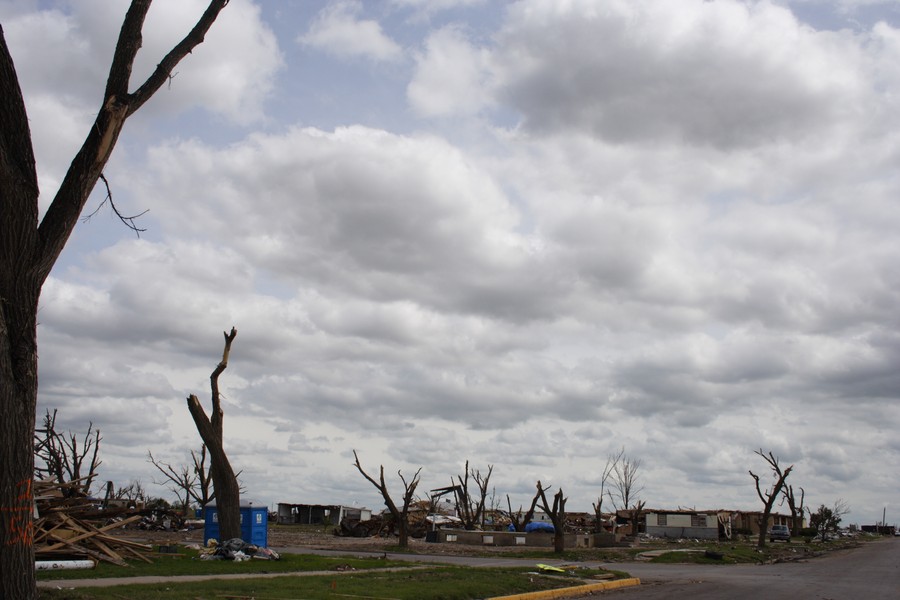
237 550
69 525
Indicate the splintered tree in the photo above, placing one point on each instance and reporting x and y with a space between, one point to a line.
795 507
557 514
29 247
400 515
62 457
225 483
769 495
468 507
518 519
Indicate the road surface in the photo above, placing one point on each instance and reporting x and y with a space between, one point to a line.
870 572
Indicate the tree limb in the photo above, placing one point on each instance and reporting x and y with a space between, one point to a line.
118 105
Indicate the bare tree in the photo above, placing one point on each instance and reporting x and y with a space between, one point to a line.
133 493
400 515
225 483
179 480
557 514
203 492
769 495
62 456
517 518
796 508
626 487
469 508
191 483
612 462
30 246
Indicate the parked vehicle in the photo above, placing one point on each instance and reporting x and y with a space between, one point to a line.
780 532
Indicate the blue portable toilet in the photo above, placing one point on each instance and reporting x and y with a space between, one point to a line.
254 523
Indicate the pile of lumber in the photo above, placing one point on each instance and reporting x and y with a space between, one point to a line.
68 525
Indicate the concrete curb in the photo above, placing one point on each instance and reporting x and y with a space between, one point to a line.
572 591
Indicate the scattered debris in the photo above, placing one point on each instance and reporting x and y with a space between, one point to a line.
69 526
237 550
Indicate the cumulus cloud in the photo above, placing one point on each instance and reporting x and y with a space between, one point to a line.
669 230
450 76
723 73
63 78
338 31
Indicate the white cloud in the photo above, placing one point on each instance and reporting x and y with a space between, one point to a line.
449 77
230 73
673 231
724 74
338 31
63 78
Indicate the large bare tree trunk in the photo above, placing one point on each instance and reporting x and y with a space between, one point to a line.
227 489
557 514
768 497
28 251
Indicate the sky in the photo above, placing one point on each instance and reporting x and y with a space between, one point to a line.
525 234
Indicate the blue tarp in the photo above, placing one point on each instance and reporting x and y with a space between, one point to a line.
539 526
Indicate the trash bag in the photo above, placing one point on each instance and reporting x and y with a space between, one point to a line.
238 550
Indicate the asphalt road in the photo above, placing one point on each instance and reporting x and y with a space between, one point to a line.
870 572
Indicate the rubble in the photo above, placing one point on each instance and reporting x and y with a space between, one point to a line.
70 525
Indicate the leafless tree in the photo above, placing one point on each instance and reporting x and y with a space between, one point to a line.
626 487
400 515
469 508
612 462
519 519
191 483
203 491
179 480
133 493
769 495
62 456
796 508
557 514
225 483
30 245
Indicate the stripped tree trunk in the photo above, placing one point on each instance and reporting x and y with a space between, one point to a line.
769 497
227 490
557 514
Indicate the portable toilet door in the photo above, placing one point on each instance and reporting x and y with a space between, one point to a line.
254 524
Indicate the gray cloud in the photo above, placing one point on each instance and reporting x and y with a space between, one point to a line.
673 232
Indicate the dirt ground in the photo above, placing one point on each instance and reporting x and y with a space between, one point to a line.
290 536
286 536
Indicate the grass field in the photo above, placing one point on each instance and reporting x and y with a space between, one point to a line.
409 583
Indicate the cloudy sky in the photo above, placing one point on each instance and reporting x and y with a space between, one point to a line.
526 234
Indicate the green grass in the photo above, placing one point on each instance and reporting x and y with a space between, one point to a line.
190 564
432 583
